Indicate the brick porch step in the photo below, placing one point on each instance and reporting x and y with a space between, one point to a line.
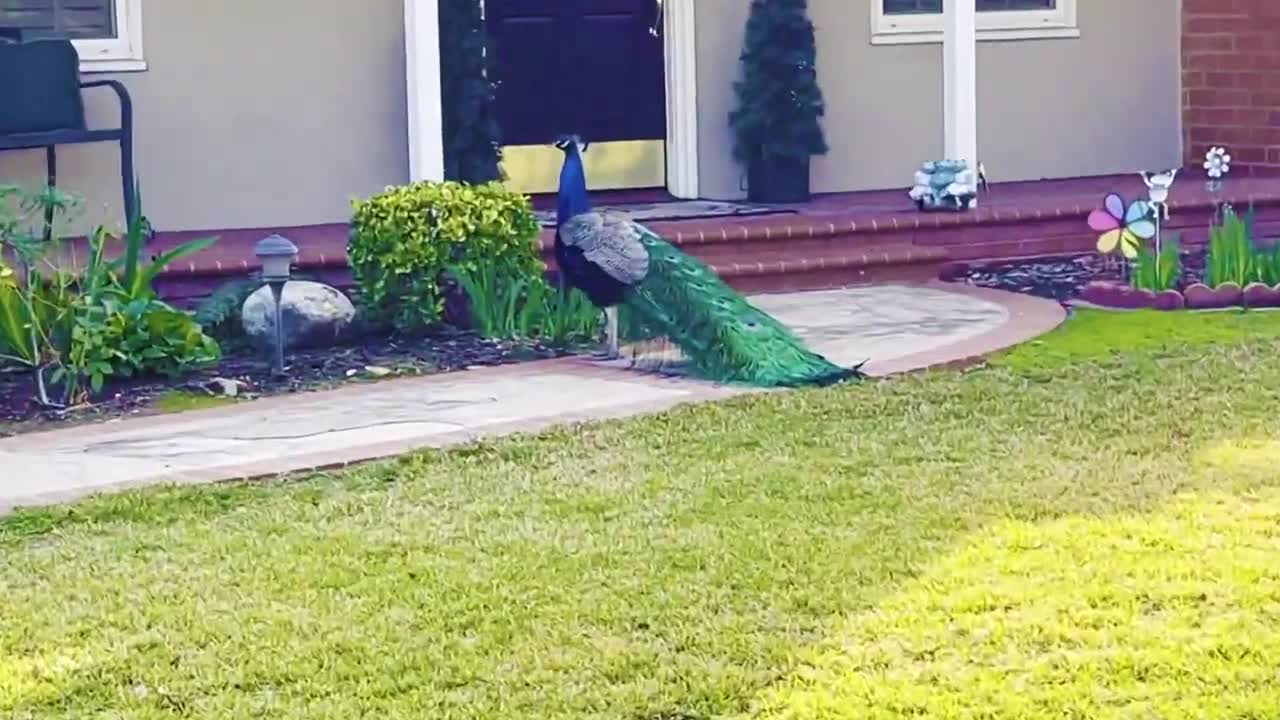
834 240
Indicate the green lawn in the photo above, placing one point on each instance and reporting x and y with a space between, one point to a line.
1087 528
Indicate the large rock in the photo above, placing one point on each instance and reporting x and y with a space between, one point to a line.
315 315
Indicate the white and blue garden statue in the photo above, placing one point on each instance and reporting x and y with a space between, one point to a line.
944 185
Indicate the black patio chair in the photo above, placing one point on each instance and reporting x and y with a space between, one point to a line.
41 107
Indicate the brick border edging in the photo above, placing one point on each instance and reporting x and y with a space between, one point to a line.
1028 318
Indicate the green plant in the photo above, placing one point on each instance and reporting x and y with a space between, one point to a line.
82 325
1158 272
560 316
494 300
1231 252
219 312
129 339
472 151
1267 264
779 100
503 304
405 238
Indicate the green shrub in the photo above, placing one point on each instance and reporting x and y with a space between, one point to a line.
405 238
78 327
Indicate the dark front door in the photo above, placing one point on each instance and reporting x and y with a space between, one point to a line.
591 67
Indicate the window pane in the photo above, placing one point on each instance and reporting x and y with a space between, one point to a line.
76 19
910 7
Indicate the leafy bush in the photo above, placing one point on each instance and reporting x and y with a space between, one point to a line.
472 151
779 100
404 239
526 308
84 325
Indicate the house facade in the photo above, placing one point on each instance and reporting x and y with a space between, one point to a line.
279 122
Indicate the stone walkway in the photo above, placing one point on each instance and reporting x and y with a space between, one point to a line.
896 327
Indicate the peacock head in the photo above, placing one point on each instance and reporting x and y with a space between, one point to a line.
572 142
572 195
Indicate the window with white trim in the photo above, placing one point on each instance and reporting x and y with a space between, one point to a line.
106 33
920 21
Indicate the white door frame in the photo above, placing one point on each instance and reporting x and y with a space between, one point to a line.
425 121
681 53
960 80
422 76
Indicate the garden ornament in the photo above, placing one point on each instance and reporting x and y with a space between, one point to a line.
277 255
1123 229
1217 165
1158 185
944 185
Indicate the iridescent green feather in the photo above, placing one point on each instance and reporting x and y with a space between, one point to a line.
722 336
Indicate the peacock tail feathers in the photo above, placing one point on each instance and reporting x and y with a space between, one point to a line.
720 336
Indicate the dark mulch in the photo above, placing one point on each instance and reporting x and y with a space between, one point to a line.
1061 278
306 370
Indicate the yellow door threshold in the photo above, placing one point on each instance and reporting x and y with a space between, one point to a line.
618 165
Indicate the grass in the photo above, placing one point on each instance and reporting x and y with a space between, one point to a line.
175 401
1085 528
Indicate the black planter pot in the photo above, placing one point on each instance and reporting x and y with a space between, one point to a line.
777 179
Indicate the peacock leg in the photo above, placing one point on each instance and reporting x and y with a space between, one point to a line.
611 331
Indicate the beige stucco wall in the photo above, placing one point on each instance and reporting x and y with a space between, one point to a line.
251 114
1102 103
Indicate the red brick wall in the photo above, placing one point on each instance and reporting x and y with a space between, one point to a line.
1231 81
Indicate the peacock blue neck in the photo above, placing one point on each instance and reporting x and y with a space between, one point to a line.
572 198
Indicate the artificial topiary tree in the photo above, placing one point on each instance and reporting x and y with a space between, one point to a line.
776 121
472 149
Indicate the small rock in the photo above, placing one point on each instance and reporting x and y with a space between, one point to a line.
315 315
224 387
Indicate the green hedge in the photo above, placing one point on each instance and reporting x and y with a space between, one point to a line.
405 238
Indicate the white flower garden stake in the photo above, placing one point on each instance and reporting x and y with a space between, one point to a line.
1217 163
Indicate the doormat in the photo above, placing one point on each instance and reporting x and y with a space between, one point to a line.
676 210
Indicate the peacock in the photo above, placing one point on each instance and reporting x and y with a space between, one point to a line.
618 263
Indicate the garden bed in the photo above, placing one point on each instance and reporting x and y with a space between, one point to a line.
365 360
1062 278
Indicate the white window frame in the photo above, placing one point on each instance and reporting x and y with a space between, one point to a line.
1061 22
122 53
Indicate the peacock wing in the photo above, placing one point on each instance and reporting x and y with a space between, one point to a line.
611 242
